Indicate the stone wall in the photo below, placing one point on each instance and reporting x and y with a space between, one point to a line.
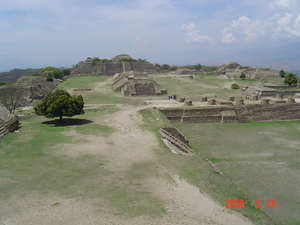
244 113
177 134
8 122
234 69
111 69
270 112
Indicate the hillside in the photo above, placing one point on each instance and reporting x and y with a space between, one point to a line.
15 74
118 64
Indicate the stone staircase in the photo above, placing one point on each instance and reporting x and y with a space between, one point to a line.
3 131
180 147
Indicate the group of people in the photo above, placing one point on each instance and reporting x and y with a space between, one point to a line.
172 97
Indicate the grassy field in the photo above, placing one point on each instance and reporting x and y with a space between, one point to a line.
262 158
259 160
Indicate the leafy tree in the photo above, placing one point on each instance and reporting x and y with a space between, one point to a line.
48 68
58 74
165 67
173 68
11 95
282 73
2 83
198 67
235 86
291 79
66 72
59 104
49 78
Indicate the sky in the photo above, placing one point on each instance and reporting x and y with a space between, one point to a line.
39 33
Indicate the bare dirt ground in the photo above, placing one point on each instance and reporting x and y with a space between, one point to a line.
128 145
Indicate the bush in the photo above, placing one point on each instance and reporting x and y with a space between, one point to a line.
235 86
243 76
49 78
290 79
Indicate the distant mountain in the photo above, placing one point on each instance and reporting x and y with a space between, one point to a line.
286 57
10 64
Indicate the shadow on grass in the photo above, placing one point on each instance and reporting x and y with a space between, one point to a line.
68 122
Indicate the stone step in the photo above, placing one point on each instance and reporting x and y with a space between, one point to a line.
3 131
187 150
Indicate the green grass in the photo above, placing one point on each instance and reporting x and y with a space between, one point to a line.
200 173
82 82
262 158
248 154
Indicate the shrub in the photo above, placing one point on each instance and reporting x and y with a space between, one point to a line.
243 76
235 86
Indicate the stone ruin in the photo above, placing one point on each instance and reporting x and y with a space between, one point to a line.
235 114
235 70
176 141
137 84
185 72
8 122
269 91
118 64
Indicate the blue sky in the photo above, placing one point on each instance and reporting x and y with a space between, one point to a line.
37 33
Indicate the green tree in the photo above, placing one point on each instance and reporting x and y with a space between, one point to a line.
59 104
48 68
49 77
243 76
66 72
198 67
282 73
291 79
165 67
58 74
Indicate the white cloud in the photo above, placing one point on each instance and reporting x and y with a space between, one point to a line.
193 34
228 37
286 26
281 4
280 22
243 29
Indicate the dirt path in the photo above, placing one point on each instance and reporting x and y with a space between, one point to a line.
127 146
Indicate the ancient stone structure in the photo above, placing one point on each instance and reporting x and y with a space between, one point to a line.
8 122
211 102
176 141
34 88
204 99
137 84
231 98
235 70
188 103
239 114
260 91
254 97
118 64
240 102
181 99
291 100
185 72
265 101
222 102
